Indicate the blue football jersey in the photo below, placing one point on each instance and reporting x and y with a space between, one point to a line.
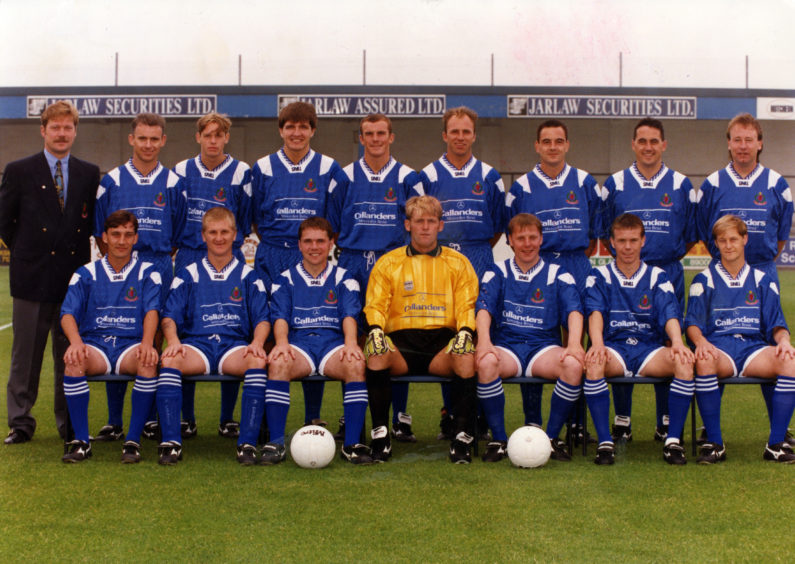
368 211
528 307
664 203
315 303
473 200
106 303
746 306
567 206
285 194
228 185
636 308
158 201
204 302
763 200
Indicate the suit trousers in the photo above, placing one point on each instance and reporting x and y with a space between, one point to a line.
33 321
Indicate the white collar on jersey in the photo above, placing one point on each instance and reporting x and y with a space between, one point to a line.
463 171
728 279
146 178
290 165
648 182
530 274
548 180
122 274
381 174
744 181
633 280
310 280
224 272
206 172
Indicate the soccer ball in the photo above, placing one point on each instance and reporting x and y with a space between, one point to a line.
529 447
312 447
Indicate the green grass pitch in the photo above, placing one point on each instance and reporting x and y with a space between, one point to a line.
416 508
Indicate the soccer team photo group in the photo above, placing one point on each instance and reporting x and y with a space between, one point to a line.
373 271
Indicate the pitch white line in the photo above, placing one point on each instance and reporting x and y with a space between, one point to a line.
6 326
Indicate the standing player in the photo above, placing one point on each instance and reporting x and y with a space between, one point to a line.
665 201
568 202
216 319
527 301
757 195
368 213
110 317
421 297
288 187
212 179
632 311
735 321
473 201
315 306
156 196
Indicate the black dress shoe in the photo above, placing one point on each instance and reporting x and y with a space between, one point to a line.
15 437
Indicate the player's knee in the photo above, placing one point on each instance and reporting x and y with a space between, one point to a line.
146 371
75 370
173 362
706 367
279 369
255 362
487 369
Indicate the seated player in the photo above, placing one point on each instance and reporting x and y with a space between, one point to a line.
735 321
315 305
110 317
216 319
527 300
632 310
421 297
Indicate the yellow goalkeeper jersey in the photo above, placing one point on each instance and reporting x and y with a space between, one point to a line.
410 290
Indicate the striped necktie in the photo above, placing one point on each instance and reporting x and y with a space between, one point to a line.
59 182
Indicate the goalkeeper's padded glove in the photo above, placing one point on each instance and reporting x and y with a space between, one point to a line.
377 343
461 343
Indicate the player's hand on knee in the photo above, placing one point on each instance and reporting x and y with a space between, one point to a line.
173 350
283 352
462 343
76 355
377 343
351 353
485 349
596 356
146 355
255 350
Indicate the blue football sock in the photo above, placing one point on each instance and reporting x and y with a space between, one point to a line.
77 394
313 399
229 393
189 401
252 406
598 398
532 395
622 399
708 397
564 397
492 400
141 398
116 392
400 399
680 395
783 405
277 405
767 394
661 401
169 404
354 405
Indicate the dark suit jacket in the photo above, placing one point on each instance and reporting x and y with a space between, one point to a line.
46 245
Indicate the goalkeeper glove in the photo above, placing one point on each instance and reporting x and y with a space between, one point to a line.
461 343
377 343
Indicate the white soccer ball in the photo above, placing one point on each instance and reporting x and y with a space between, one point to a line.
312 447
529 447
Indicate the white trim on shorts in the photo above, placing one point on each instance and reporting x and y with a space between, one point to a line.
748 360
647 359
529 371
514 357
123 354
322 368
627 373
308 358
202 356
226 355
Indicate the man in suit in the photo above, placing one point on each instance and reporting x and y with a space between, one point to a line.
46 216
